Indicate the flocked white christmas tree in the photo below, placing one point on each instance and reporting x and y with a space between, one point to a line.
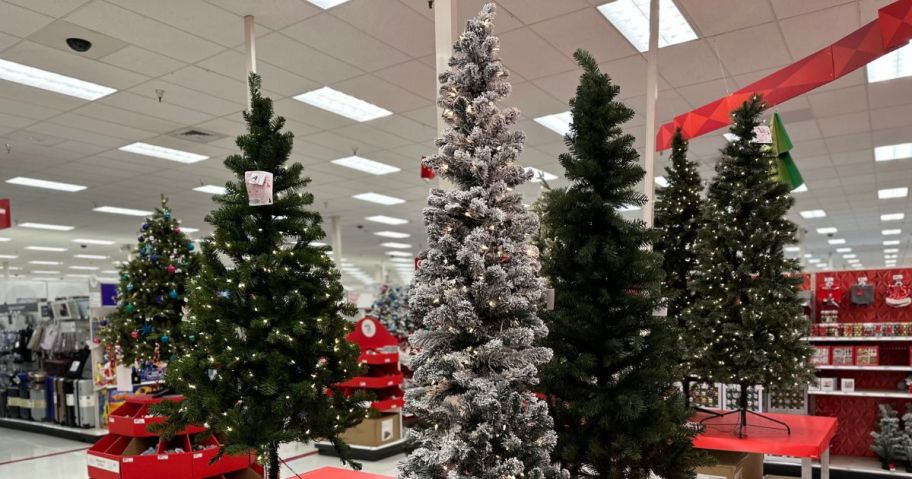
477 289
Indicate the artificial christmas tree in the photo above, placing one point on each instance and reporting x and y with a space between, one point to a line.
888 439
391 309
611 383
747 321
477 289
151 295
267 329
678 213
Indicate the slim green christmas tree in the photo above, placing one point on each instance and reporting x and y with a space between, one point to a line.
678 213
611 382
146 326
268 328
888 439
747 321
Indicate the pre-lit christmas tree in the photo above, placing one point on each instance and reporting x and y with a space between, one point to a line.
747 322
678 213
152 292
391 309
267 329
611 382
477 289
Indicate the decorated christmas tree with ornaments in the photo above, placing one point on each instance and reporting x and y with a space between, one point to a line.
391 309
267 321
477 289
147 327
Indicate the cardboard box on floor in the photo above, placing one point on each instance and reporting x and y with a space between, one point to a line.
375 431
733 465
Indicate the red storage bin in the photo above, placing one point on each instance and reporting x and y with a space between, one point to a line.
366 382
132 418
202 460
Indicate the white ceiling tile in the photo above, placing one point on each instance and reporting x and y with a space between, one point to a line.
790 8
892 117
808 33
689 63
296 57
732 47
220 26
413 76
588 30
126 117
837 102
142 61
533 102
532 11
844 124
530 56
54 8
274 14
148 105
337 38
851 142
505 21
392 23
712 17
381 93
66 63
890 93
232 64
21 22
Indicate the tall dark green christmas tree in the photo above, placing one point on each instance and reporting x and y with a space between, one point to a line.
678 219
611 382
747 321
146 326
267 328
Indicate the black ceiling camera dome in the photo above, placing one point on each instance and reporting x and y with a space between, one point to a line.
80 45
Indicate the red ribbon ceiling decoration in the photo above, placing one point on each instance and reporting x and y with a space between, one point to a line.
891 30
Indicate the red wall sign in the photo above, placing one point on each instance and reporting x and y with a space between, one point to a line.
6 217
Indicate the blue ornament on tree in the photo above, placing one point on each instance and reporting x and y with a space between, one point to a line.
224 294
124 278
140 238
190 246
172 294
103 322
165 339
166 215
155 258
145 329
159 299
145 226
129 286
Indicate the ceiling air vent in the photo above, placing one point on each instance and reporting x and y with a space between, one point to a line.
197 135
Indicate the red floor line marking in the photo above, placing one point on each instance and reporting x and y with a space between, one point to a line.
60 453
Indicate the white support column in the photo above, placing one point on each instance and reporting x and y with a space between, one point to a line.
652 91
807 468
336 240
825 464
444 36
250 49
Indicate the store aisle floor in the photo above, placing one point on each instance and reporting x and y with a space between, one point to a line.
28 455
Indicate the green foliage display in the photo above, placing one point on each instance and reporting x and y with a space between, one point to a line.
888 441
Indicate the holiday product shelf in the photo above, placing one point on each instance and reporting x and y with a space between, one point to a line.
864 368
824 339
870 393
367 382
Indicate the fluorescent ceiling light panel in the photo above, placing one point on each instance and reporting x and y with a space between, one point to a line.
392 234
8 256
90 256
896 64
317 243
827 231
365 165
558 123
53 249
393 244
379 199
188 230
891 232
843 250
631 18
50 81
888 193
77 275
85 268
891 256
792 249
812 214
893 217
891 250
661 181
45 263
893 152
891 243
44 271
402 260
537 175
628 208
327 4
730 137
342 104
801 189
836 241
115 210
50 185
45 226
387 220
93 241
162 152
814 260
850 256
401 254
853 261
211 189
3 240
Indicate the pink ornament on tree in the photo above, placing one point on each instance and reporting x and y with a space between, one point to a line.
171 269
134 334
177 230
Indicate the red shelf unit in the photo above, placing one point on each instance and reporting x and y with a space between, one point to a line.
120 454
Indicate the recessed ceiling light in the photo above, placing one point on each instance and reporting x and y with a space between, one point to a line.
45 263
317 243
891 242
891 256
893 152
53 249
392 234
45 226
162 152
387 220
121 211
843 250
628 208
538 175
631 18
801 189
730 137
558 123
827 231
8 256
891 232
808 255
327 4
110 271
893 217
889 193
393 244
891 250
188 230
853 261
812 214
792 249
365 165
814 260
50 185
78 275
90 256
401 254
44 271
85 268
661 181
379 199
342 104
896 64
836 241
3 239
55 82
850 256
211 189
93 241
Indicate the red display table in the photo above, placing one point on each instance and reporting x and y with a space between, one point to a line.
337 473
810 439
